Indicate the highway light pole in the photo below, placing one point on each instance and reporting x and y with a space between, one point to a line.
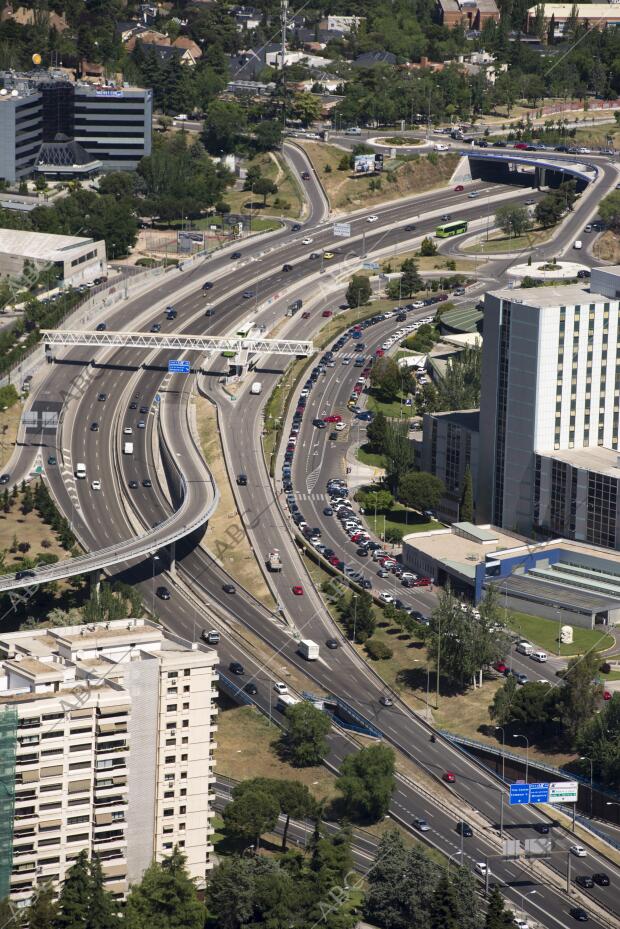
527 753
586 758
497 729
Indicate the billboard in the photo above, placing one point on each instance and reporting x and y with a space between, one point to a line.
368 164
556 792
186 239
342 229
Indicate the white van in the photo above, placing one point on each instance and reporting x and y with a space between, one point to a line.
128 448
256 387
524 648
578 244
80 470
539 656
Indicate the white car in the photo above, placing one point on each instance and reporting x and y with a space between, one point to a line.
441 147
417 305
385 597
482 868
372 219
578 244
340 427
127 430
96 485
521 923
421 824
578 851
307 241
280 688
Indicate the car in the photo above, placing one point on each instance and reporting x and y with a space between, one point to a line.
307 241
305 175
530 202
319 424
133 405
235 256
333 644
52 460
578 851
473 194
101 327
287 267
340 426
295 227
313 256
578 244
410 227
521 678
333 436
521 923
584 880
601 879
298 590
543 828
242 480
332 418
326 314
327 256
94 427
583 273
386 700
587 227
141 424
386 597
95 485
156 327
133 485
449 777
305 315
146 482
501 667
102 397
578 913
236 667
372 219
327 511
521 146
251 689
144 410
421 824
210 311
280 687
229 589
463 828
163 593
247 294
481 867
446 217
207 285
458 188
607 695
127 430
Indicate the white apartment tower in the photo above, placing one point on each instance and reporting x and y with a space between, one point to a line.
106 744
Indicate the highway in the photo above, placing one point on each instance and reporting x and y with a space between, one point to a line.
101 519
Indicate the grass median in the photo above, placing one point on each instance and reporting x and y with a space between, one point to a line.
544 633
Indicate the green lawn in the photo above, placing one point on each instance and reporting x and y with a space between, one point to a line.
544 632
258 223
394 409
499 243
399 517
374 459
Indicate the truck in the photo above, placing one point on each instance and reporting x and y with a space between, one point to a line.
274 562
308 649
285 700
127 448
80 470
256 387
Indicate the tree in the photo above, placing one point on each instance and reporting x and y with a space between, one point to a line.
376 432
359 291
74 898
358 617
609 209
398 453
264 187
401 886
443 913
103 912
230 893
427 248
268 135
367 782
305 740
43 911
466 507
459 389
293 798
374 498
410 281
306 107
578 698
513 219
165 898
386 378
599 739
498 917
250 814
549 210
421 490
501 708
222 127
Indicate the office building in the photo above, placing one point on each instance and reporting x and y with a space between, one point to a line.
592 15
471 14
72 260
57 127
106 745
550 407
449 447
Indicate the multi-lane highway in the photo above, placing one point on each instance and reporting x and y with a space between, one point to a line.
118 512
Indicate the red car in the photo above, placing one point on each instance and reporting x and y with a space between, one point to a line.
422 582
334 418
459 187
501 667
334 560
522 146
298 590
326 314
380 353
607 695
449 776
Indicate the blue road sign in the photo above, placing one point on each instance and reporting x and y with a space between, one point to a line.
157 398
528 793
178 367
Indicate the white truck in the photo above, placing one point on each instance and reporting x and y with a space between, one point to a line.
256 387
80 470
127 448
274 562
308 649
285 700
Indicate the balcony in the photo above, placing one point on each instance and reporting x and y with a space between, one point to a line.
114 836
32 758
108 748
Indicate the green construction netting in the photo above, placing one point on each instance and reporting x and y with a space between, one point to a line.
8 743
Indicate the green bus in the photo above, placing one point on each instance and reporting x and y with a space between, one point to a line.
448 229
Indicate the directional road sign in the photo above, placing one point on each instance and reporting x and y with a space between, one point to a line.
556 792
342 229
178 367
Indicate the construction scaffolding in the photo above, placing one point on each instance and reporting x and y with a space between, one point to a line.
8 745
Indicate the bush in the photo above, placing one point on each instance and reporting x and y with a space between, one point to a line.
605 668
8 396
394 535
378 650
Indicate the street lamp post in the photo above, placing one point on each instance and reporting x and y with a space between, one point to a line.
155 558
527 754
586 758
497 729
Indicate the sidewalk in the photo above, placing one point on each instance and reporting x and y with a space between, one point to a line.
360 474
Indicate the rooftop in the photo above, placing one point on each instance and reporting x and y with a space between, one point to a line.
583 10
462 552
571 295
466 419
537 591
599 459
39 245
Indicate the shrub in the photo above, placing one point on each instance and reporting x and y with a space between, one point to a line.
605 668
378 650
394 535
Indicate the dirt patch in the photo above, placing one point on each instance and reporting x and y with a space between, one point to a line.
400 178
225 536
607 247
9 425
26 530
289 194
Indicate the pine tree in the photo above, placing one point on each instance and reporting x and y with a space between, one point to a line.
466 509
43 911
6 503
498 917
103 912
74 899
165 898
443 913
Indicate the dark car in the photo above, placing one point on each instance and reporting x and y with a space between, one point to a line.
102 397
163 593
144 409
543 828
242 480
251 689
601 879
305 175
578 913
410 228
94 427
156 327
20 575
133 485
133 405
583 273
295 227
464 829
236 667
332 643
446 217
584 880
100 327
52 460
210 312
287 267
207 285
146 482
235 256
361 553
229 589
247 294
327 511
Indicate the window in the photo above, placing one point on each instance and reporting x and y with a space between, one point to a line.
168 794
171 708
172 690
185 705
183 758
171 725
182 810
185 740
46 842
185 723
169 811
186 689
80 765
186 672
74 820
173 674
170 759
183 791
